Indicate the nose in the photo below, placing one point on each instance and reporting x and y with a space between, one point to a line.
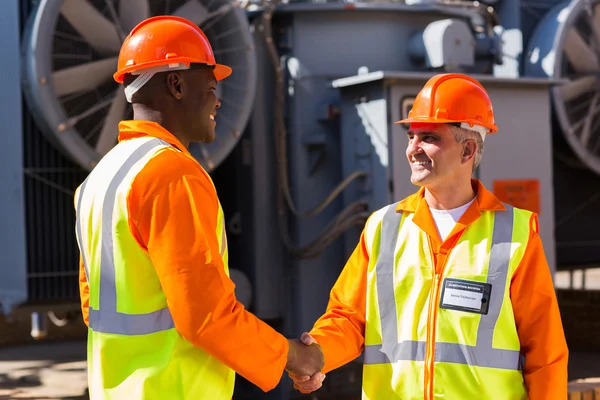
414 146
218 104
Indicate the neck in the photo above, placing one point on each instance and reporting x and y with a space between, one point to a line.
145 113
450 196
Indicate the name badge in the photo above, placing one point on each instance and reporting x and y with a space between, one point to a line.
468 296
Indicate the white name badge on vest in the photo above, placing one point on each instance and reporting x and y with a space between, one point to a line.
469 296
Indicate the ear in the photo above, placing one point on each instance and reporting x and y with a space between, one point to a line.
469 150
176 85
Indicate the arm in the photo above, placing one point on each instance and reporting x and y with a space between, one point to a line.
84 288
539 324
340 331
177 225
84 293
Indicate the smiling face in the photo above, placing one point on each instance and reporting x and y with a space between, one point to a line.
193 104
436 159
201 105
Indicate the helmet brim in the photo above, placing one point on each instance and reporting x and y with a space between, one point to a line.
222 71
492 129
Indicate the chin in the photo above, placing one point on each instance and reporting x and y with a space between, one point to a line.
210 137
418 180
207 136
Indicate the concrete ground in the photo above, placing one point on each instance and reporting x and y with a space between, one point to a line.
53 371
44 371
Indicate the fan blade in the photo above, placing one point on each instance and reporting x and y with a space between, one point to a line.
132 12
595 24
83 77
192 10
586 132
575 88
108 136
216 15
99 32
580 54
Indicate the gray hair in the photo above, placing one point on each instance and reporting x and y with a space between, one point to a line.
461 135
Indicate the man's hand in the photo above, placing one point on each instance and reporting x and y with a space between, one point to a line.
304 359
310 382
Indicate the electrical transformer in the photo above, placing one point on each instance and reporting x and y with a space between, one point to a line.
306 145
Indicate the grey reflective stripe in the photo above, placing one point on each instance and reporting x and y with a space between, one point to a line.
407 350
104 321
223 240
107 319
477 356
384 270
482 354
78 231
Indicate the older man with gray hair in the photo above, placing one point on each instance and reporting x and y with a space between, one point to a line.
448 293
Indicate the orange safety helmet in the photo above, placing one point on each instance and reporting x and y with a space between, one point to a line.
454 98
166 43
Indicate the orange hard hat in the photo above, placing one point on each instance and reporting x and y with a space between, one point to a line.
453 98
165 43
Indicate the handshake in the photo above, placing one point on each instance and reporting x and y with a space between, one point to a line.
305 362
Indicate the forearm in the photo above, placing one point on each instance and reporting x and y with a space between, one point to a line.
340 331
539 324
207 314
545 350
340 338
549 382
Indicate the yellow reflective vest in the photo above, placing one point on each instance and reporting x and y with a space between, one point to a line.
446 336
134 350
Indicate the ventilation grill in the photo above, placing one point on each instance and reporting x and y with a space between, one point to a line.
49 182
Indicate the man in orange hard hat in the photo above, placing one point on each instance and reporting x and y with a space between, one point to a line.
448 293
163 319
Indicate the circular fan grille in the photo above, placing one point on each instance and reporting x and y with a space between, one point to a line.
70 53
566 46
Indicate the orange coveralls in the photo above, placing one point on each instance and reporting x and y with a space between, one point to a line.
340 331
178 200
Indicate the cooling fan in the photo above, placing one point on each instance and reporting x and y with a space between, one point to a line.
566 46
70 51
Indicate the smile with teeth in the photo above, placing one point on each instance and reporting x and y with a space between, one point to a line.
212 117
423 163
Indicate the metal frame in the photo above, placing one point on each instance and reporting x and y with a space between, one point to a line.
13 260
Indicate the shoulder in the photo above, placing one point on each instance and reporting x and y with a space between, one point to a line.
169 167
523 219
374 221
523 227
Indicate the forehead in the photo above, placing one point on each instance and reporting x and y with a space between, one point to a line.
201 75
421 127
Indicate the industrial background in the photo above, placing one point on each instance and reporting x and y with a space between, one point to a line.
306 146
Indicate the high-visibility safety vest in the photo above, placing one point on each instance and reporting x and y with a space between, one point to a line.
134 350
468 355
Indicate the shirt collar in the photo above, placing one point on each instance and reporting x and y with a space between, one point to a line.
486 200
139 128
416 203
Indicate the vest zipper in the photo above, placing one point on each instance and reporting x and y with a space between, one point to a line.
432 325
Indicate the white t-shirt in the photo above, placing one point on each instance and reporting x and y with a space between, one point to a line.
446 219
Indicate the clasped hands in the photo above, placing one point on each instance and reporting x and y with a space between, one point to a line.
305 362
